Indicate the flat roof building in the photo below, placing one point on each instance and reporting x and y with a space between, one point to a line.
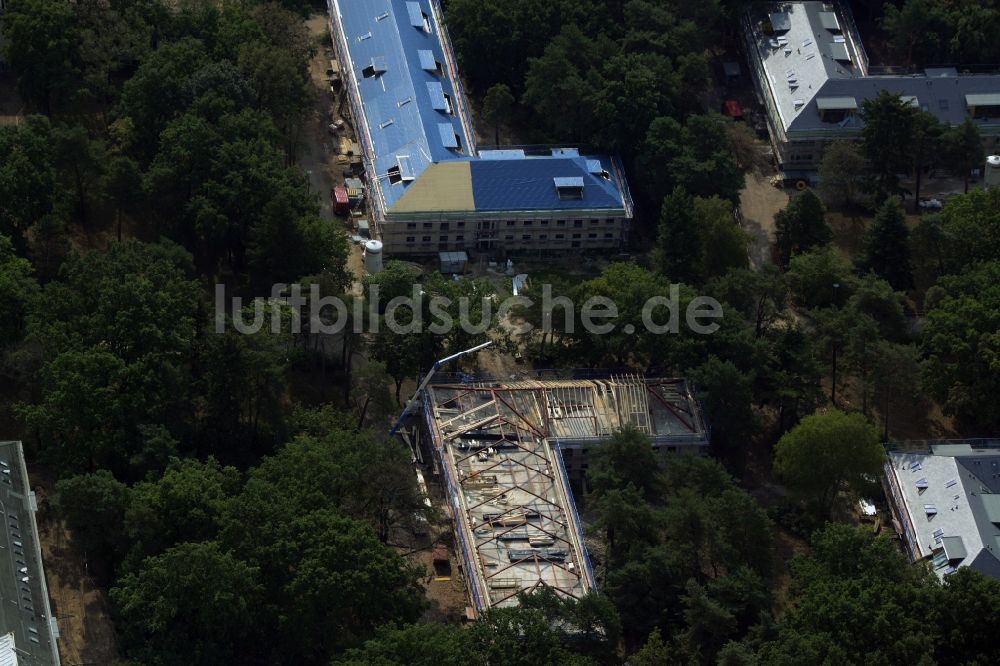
430 188
507 452
945 501
813 76
25 616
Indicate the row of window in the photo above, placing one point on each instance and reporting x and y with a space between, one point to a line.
445 226
508 237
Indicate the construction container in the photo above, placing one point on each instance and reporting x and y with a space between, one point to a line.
341 202
453 262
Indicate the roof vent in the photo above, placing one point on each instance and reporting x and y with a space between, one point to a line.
921 483
930 509
405 168
418 19
569 188
448 137
427 61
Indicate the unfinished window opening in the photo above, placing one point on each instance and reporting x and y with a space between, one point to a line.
368 72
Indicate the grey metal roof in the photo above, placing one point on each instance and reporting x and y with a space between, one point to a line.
796 69
781 21
962 483
991 507
954 548
943 97
829 21
838 51
984 99
801 66
836 103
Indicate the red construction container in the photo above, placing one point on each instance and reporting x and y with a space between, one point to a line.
732 109
341 203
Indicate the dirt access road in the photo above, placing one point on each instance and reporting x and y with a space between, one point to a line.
318 154
759 202
86 633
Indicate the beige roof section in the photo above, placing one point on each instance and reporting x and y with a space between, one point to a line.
444 186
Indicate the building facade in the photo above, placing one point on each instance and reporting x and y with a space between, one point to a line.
812 75
429 187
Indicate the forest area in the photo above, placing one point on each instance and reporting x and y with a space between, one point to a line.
235 495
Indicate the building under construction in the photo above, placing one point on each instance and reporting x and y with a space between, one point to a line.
430 188
507 452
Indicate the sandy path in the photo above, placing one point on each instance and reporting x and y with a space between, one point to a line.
759 202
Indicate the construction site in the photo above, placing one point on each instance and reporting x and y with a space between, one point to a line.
502 450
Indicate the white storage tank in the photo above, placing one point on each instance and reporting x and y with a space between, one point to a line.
991 177
373 256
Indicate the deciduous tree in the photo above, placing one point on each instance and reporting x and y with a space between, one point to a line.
827 453
842 174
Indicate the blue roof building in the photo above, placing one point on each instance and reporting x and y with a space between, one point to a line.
419 148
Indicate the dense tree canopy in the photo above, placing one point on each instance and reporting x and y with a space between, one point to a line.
960 340
854 588
826 453
234 521
684 544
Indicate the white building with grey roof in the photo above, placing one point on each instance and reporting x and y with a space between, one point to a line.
945 501
813 77
28 629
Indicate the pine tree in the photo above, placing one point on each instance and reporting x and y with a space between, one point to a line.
801 226
678 243
963 149
887 246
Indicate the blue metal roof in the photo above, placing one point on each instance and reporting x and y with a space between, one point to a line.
530 184
502 154
413 116
448 138
405 168
401 111
436 92
427 61
416 14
